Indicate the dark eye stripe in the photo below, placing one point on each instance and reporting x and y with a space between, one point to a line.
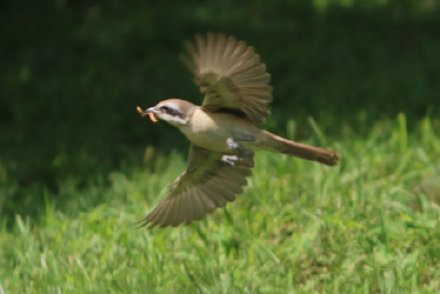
170 110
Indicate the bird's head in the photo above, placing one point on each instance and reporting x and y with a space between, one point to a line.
176 112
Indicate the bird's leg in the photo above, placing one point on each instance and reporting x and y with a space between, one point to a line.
240 149
241 152
230 159
232 144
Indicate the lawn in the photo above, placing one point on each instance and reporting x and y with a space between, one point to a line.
79 168
369 225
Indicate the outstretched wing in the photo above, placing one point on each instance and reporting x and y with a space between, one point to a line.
230 74
206 184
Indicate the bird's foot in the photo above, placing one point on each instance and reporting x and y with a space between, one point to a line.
232 144
230 159
241 151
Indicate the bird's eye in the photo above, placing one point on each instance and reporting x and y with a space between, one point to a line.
165 108
168 110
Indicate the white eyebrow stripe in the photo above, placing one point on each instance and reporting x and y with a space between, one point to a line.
172 106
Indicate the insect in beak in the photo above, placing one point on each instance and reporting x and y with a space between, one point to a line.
147 112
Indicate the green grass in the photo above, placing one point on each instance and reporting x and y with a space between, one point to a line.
369 225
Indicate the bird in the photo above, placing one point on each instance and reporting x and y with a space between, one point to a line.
223 131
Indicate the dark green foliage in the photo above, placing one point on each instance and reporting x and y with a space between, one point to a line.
72 73
78 167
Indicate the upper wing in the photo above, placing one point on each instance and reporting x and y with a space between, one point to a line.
230 75
207 183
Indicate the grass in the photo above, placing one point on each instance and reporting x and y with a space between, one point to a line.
369 225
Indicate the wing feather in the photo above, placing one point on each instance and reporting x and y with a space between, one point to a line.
206 184
230 74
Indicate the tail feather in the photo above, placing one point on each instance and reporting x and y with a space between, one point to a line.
279 144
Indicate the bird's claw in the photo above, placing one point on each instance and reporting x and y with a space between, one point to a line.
232 144
230 159
242 152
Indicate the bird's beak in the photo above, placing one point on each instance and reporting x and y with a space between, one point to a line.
150 112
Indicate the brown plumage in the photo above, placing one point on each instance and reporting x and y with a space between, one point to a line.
230 74
206 184
222 130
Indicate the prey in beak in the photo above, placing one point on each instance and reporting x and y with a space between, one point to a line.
147 112
176 112
223 130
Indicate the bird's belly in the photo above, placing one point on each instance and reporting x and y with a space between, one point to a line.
211 138
212 131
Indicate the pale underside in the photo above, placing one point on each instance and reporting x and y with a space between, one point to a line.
233 80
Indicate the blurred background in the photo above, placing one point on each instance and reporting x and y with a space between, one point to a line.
72 73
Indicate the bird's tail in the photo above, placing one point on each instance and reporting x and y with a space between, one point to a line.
276 143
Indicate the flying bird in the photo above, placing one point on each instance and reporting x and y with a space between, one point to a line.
222 131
